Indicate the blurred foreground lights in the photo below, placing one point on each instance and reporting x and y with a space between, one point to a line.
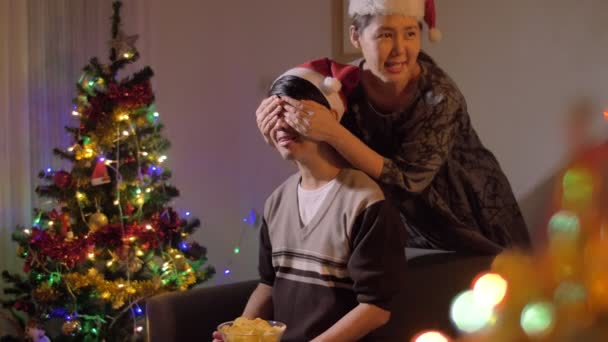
538 319
470 314
570 292
577 186
564 223
490 289
430 336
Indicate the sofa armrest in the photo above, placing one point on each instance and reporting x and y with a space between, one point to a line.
193 315
431 283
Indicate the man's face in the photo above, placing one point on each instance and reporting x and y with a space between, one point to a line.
290 144
390 45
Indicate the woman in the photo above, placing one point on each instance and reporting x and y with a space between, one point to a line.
408 127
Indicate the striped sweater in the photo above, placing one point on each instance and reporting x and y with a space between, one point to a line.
351 252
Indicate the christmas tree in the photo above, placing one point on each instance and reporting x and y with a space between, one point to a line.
109 240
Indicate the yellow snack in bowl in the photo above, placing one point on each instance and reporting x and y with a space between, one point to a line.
252 330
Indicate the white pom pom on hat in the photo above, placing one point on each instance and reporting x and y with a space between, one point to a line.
334 80
330 85
420 9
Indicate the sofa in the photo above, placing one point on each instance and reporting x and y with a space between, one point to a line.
431 283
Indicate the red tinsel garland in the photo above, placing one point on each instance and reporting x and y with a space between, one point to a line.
48 244
120 96
130 97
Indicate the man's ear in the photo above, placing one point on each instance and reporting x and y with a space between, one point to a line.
354 36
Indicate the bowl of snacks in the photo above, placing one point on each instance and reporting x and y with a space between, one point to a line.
251 330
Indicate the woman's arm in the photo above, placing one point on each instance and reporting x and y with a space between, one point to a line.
319 123
356 152
417 159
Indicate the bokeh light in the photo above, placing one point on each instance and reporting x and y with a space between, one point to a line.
430 336
490 289
469 314
577 185
570 292
537 318
565 223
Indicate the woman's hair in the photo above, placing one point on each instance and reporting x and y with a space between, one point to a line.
361 21
297 88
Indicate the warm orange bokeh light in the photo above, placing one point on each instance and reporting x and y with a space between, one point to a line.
430 336
490 288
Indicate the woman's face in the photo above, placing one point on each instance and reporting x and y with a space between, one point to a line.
390 45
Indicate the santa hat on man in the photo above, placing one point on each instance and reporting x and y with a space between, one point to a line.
420 9
334 80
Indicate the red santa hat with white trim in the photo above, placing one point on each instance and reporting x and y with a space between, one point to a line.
420 9
333 79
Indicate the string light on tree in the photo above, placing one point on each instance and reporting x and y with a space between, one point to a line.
251 220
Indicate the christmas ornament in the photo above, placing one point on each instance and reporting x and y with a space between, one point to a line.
45 293
71 327
66 224
53 215
129 209
62 179
100 174
97 220
85 152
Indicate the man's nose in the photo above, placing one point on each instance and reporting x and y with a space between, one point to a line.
281 123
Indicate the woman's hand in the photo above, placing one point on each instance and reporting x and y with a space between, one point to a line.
267 116
310 119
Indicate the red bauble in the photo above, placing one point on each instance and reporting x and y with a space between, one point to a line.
129 209
62 179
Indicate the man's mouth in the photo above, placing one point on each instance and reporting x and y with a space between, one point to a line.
285 138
